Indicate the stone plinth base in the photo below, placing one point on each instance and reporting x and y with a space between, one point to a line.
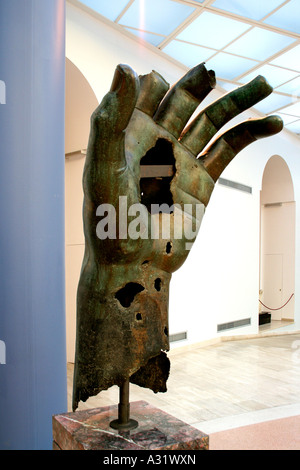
157 430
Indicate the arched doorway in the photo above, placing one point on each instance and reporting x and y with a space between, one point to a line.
80 104
277 248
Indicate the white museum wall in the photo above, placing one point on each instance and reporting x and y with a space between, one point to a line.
219 282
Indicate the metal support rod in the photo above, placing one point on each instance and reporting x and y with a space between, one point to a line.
124 406
124 422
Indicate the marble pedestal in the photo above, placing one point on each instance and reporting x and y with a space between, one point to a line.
157 430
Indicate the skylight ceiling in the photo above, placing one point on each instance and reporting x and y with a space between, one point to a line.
238 39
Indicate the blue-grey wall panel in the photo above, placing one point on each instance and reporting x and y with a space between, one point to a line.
32 295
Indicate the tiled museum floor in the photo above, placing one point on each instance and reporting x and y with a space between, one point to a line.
225 385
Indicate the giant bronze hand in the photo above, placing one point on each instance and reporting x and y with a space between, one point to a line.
148 177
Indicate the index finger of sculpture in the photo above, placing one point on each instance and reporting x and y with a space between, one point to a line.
227 146
183 98
153 88
198 134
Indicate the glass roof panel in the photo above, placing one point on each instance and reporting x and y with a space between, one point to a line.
189 54
275 75
154 39
259 44
293 109
286 17
287 119
226 85
290 59
205 30
156 16
256 9
230 45
292 87
229 66
110 10
294 127
273 102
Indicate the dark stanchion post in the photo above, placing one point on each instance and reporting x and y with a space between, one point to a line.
124 423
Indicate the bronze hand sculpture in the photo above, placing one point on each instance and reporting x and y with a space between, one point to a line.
143 159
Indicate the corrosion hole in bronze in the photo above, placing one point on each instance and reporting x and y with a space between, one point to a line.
155 186
166 331
157 284
168 248
127 294
145 262
138 316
